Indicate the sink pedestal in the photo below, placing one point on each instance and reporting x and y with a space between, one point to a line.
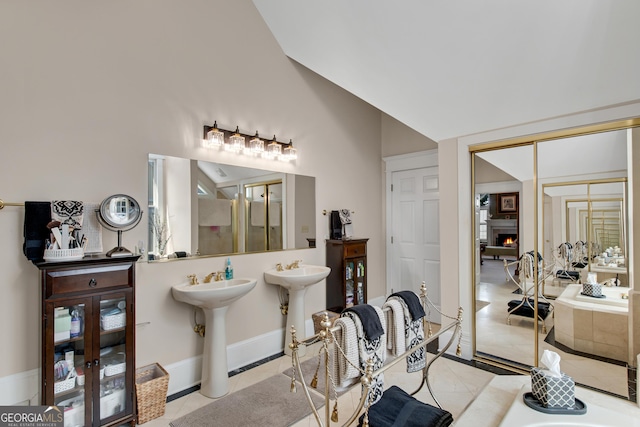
295 317
215 377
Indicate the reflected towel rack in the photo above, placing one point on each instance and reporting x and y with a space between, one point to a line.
3 204
325 211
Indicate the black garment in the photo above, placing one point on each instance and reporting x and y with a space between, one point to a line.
413 304
370 320
396 408
36 217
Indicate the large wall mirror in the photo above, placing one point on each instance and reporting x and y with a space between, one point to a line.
199 208
572 209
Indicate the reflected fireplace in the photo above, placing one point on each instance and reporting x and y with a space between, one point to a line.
504 239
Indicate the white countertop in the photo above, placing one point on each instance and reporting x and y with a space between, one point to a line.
497 397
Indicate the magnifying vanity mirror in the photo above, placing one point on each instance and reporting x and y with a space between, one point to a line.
200 208
119 213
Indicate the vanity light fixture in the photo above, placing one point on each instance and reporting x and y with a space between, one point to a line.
290 153
236 142
256 145
274 149
214 137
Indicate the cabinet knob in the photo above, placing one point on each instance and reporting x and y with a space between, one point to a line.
88 365
96 362
93 283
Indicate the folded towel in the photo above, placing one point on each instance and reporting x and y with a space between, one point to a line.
92 229
413 302
344 369
413 336
335 225
345 216
36 217
369 318
68 212
396 408
214 212
371 349
395 326
274 214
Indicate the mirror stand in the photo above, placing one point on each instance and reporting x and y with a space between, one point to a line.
119 250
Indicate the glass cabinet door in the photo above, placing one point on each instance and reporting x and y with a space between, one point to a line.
113 357
360 281
349 284
69 361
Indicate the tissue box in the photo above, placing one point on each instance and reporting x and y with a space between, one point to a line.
592 289
553 392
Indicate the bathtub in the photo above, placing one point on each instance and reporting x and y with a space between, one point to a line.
593 325
520 415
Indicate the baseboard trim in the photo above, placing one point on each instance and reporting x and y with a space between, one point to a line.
22 388
186 374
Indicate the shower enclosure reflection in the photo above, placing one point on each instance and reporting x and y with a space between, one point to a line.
199 208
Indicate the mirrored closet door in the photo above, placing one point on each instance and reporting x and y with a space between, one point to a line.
551 216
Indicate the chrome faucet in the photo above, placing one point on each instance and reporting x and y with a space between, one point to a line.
194 279
294 264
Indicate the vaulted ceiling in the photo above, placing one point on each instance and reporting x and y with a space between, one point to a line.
454 68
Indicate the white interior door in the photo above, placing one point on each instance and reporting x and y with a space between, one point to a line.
416 233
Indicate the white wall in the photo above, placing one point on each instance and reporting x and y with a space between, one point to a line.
88 89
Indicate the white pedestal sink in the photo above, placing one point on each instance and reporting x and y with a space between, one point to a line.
214 298
296 281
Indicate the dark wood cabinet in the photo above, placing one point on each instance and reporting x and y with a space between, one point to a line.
347 282
88 339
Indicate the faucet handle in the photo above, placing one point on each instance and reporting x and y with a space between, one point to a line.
193 278
279 267
219 276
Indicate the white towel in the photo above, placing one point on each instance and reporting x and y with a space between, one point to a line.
395 327
376 350
257 214
347 339
214 212
91 228
274 214
413 335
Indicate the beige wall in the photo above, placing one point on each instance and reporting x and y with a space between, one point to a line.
400 139
88 89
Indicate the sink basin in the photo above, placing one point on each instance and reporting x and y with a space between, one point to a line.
214 298
296 281
297 278
213 294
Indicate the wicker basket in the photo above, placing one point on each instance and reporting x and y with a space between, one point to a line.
64 385
152 382
113 321
317 318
